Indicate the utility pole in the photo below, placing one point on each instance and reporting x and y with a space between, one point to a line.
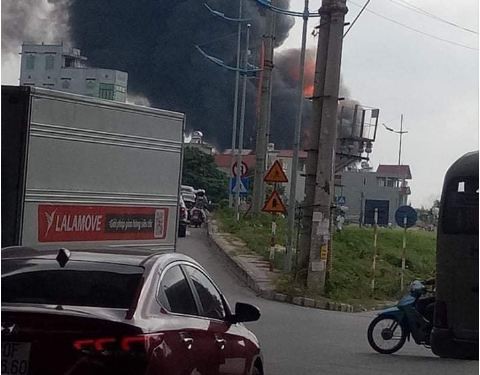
263 119
242 125
400 145
319 185
292 201
235 103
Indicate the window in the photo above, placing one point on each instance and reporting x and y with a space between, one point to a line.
90 83
460 209
69 62
78 284
30 63
49 62
175 294
391 182
106 91
210 298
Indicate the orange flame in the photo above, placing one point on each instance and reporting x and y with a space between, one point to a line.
309 74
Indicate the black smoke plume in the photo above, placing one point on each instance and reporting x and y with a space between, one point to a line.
154 41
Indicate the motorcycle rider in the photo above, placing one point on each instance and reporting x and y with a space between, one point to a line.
425 305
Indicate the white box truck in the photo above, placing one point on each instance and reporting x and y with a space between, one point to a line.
85 172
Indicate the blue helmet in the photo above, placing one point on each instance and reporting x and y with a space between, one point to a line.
417 288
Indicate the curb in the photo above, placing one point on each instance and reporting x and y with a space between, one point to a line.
240 271
269 292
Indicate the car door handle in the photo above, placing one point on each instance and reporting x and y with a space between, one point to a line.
220 342
188 341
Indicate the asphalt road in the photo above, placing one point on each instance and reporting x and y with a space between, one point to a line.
299 340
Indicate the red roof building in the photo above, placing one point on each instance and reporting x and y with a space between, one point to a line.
398 171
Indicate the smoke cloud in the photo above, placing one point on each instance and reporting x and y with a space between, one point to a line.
154 41
33 21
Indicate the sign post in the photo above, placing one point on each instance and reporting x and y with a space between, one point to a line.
272 242
404 251
374 262
406 217
274 203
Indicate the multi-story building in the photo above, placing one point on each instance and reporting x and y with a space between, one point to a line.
58 67
362 190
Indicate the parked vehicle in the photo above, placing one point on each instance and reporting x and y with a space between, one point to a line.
189 200
76 171
119 311
412 316
455 331
182 218
186 189
197 217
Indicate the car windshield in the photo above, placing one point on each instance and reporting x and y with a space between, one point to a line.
77 284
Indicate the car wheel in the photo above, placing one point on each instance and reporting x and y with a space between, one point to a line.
256 371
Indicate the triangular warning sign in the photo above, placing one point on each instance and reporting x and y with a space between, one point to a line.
275 173
274 204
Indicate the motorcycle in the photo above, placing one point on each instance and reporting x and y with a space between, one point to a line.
411 317
196 217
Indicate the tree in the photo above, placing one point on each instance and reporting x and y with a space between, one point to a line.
200 171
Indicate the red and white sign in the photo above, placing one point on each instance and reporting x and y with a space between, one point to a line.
58 223
244 169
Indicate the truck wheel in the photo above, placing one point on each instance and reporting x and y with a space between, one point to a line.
182 230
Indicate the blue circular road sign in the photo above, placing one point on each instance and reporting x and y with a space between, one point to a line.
408 213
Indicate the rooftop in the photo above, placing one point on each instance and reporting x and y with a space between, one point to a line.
225 160
399 171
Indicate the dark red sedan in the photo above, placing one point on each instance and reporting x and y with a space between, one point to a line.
119 312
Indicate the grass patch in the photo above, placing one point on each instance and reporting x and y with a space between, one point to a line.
350 278
352 262
254 231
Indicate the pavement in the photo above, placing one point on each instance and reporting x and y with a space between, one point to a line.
256 273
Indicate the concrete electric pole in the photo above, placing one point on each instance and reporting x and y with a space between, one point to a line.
263 118
292 202
242 125
235 101
319 186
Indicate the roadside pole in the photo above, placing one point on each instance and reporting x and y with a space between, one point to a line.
374 261
273 241
274 203
330 44
242 125
235 103
404 251
405 217
263 118
292 200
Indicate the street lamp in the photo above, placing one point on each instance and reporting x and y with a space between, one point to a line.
401 132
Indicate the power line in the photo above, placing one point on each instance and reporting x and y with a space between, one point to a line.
416 30
356 18
418 10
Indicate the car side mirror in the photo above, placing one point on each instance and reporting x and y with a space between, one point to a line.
245 312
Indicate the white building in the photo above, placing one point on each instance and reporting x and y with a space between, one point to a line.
58 67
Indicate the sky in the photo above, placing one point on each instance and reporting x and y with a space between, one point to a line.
433 83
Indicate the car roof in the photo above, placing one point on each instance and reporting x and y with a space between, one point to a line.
117 255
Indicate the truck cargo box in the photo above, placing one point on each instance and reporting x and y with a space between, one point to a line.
81 172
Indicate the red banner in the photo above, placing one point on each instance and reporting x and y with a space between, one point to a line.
58 223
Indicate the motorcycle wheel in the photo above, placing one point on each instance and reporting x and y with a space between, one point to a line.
386 335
